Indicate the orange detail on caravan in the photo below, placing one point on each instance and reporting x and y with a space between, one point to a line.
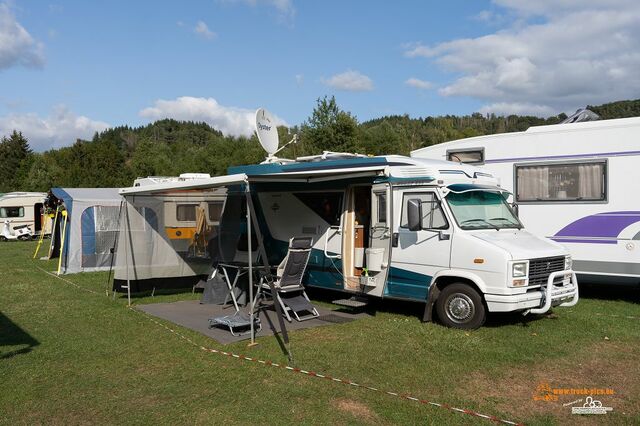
180 233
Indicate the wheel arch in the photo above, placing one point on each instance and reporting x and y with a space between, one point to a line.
441 280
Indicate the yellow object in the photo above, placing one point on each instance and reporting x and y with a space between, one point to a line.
62 238
180 233
42 232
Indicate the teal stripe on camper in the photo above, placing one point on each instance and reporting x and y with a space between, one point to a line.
406 284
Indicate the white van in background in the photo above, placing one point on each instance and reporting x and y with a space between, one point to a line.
25 208
575 183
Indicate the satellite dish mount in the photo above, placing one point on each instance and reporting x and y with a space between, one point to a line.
267 132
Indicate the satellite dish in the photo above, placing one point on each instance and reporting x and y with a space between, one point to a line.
267 131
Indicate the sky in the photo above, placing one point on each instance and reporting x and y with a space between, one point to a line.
71 68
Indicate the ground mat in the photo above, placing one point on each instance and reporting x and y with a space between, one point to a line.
195 316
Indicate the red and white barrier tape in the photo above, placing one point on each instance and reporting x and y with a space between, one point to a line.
299 370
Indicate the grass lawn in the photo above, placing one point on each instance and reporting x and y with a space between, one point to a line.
69 356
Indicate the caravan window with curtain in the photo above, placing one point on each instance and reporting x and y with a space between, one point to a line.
577 182
186 212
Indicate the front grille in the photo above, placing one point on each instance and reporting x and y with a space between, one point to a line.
540 269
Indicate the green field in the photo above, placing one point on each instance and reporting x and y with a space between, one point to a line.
69 356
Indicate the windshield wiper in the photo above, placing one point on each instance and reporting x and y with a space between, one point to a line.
507 220
480 220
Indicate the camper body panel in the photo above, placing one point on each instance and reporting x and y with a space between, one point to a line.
602 230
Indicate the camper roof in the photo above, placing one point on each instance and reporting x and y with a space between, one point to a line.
537 130
391 167
22 194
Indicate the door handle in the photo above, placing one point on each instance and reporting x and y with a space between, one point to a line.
394 239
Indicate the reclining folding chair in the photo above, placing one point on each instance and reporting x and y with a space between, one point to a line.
289 291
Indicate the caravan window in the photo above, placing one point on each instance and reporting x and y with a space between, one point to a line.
467 156
6 212
215 211
186 212
381 210
561 182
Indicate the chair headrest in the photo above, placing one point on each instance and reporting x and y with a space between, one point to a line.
300 243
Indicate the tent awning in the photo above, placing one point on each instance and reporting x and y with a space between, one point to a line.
214 182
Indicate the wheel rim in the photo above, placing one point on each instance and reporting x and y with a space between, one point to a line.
460 308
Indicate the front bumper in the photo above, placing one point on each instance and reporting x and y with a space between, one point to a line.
539 301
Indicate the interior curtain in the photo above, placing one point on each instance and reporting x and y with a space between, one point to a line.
590 181
533 183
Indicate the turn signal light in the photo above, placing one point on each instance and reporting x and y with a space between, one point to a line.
478 260
519 283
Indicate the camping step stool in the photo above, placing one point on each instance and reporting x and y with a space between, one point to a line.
238 320
352 302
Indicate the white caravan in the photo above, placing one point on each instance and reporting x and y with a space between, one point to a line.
25 209
573 184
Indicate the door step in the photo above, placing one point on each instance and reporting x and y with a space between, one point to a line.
352 302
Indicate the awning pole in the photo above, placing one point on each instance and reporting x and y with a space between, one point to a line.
247 195
126 250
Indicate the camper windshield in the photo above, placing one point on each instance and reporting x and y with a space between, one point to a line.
482 210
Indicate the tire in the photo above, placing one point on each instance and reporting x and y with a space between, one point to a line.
3 238
460 306
24 237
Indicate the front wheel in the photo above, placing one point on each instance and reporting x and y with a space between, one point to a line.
460 306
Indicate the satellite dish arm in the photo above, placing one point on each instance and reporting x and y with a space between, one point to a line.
292 141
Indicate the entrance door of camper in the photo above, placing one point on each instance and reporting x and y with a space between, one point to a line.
417 255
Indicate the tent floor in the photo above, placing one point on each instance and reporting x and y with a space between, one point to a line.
195 316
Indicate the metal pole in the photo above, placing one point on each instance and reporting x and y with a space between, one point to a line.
247 195
126 251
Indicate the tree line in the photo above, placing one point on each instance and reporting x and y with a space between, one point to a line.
116 156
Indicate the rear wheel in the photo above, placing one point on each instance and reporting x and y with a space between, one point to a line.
460 306
3 238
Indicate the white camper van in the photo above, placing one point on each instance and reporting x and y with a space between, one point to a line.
25 209
572 183
395 227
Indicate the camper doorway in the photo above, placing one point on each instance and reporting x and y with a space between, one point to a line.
365 238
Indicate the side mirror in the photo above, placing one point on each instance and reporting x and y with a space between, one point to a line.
414 214
515 209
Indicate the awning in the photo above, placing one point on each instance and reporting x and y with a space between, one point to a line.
214 182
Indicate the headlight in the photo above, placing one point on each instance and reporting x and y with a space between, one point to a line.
519 269
567 263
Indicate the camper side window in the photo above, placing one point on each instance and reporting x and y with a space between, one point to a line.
8 212
467 156
381 210
215 211
577 182
186 212
432 214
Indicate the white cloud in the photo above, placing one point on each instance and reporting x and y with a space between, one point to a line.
351 81
284 9
62 127
504 108
203 31
555 55
299 79
17 46
229 120
418 84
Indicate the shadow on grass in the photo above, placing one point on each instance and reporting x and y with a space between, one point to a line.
12 335
416 310
626 292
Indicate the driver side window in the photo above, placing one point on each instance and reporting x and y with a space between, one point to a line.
432 214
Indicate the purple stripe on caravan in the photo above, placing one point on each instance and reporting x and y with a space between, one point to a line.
604 225
560 157
582 241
